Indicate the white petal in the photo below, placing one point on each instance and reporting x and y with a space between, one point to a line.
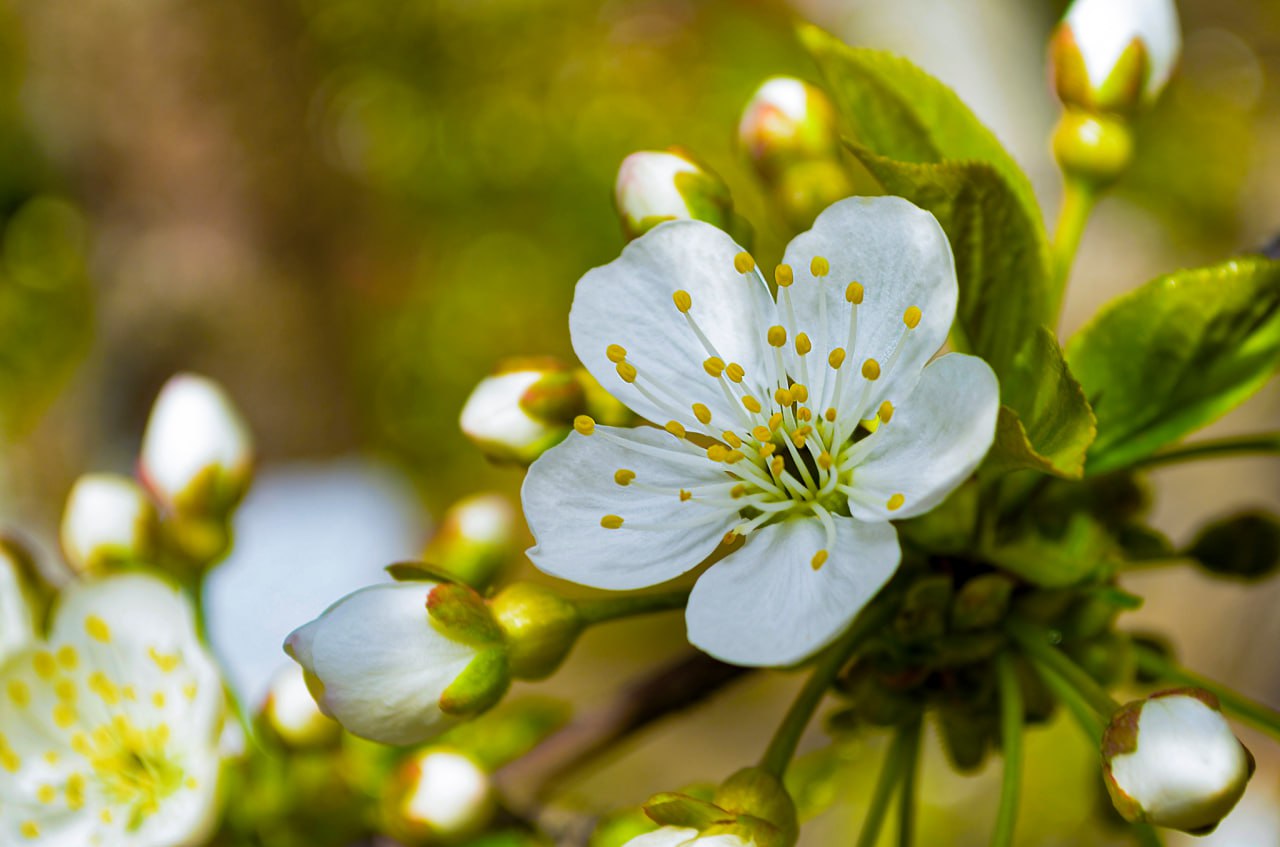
382 662
16 626
935 440
765 605
667 836
1103 29
901 257
628 302
572 487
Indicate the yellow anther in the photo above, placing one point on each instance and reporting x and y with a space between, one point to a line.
830 414
743 263
616 353
895 502
682 300
775 421
729 537
853 293
675 428
106 816
819 559
64 716
717 452
584 424
738 491
761 433
886 412
734 456
783 397
803 344
819 266
777 335
777 466
804 414
102 686
44 665
622 476
767 450
714 366
627 371
824 460
67 657
29 829
702 413
836 358
783 276
65 689
804 430
166 662
611 522
735 372
871 369
19 693
685 496
46 794
732 439
798 439
911 317
752 404
800 391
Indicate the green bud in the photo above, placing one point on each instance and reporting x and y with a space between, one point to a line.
1093 149
476 538
539 625
925 608
982 602
966 732
762 805
1245 546
803 189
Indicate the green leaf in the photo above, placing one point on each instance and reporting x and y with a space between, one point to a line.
1056 424
417 572
1083 551
1175 354
1245 546
903 113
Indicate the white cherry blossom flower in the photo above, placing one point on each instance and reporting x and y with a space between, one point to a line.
108 731
797 428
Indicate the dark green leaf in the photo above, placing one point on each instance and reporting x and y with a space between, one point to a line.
1245 546
1177 353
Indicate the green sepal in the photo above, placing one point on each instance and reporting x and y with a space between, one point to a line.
1244 546
555 397
414 571
982 602
1175 354
480 685
462 614
923 613
1083 551
681 810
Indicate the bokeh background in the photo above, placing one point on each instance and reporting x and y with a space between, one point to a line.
347 210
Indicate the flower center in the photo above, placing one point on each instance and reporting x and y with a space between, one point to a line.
784 451
133 766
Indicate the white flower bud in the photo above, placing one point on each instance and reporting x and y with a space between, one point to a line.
17 624
1113 54
439 794
656 186
522 411
1171 760
786 121
291 714
197 453
475 539
678 836
389 670
107 519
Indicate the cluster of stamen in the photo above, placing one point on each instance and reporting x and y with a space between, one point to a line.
781 455
117 735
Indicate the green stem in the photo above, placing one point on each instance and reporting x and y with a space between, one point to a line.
1250 711
195 585
1266 442
895 762
1034 642
782 747
1077 203
629 605
1011 722
1084 713
1147 836
907 800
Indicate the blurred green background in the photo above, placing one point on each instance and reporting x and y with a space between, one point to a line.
347 211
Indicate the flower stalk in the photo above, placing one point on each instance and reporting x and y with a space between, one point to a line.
606 609
1011 717
897 761
1250 711
1216 448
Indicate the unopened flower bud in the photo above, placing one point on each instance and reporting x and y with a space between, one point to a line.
1113 55
290 714
523 410
197 454
1093 148
400 663
751 809
666 185
438 795
476 537
1171 760
787 121
108 520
